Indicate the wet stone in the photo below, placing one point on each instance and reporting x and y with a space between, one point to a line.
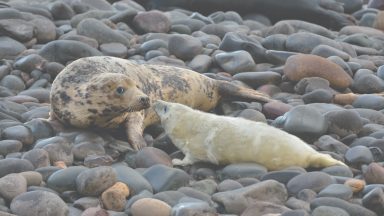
193 208
352 209
236 201
305 42
374 174
37 203
84 149
282 176
310 122
315 181
114 49
207 186
58 149
14 165
13 83
336 190
184 47
149 206
12 185
344 122
39 128
264 208
369 101
241 170
98 30
33 178
10 48
61 11
171 197
38 157
235 62
136 182
63 51
200 63
374 200
64 179
86 202
152 21
228 185
94 181
338 171
257 79
114 198
327 51
328 143
328 210
358 155
149 156
164 178
10 146
376 84
318 96
301 66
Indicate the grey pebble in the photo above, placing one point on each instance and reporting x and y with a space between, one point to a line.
374 200
10 146
310 122
94 181
329 210
14 165
58 148
352 209
337 190
114 49
236 201
228 185
193 208
152 21
315 181
184 47
132 178
257 79
12 185
235 62
82 150
63 51
10 48
241 170
359 155
338 171
98 30
344 122
327 51
328 143
40 129
41 94
37 203
318 96
305 42
149 156
163 178
65 179
20 133
13 83
282 176
171 197
200 63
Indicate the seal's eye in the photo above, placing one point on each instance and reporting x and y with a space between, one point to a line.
165 109
120 90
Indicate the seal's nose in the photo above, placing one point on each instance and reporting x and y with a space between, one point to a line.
145 101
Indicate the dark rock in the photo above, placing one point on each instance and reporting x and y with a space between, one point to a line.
315 181
184 47
235 62
92 182
152 21
10 48
352 209
241 170
65 179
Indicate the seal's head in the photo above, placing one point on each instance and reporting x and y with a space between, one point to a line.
162 109
103 101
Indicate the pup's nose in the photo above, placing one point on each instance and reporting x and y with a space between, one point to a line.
144 100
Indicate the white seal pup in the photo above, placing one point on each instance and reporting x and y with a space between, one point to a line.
222 140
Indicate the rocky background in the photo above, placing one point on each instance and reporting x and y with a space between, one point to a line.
329 96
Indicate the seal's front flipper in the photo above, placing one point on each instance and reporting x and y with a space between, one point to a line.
134 130
186 161
229 90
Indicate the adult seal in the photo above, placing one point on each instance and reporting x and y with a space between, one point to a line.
222 140
328 13
107 92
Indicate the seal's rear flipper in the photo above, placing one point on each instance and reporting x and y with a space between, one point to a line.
231 91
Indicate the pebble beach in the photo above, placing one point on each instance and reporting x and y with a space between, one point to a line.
326 82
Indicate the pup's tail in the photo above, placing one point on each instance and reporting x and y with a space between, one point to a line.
232 91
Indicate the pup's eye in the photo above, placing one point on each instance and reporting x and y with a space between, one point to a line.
165 109
120 90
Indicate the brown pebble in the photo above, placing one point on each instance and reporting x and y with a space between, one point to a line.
60 164
356 185
345 99
379 22
301 66
374 174
150 207
114 198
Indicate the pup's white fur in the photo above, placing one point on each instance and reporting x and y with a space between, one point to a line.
222 140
